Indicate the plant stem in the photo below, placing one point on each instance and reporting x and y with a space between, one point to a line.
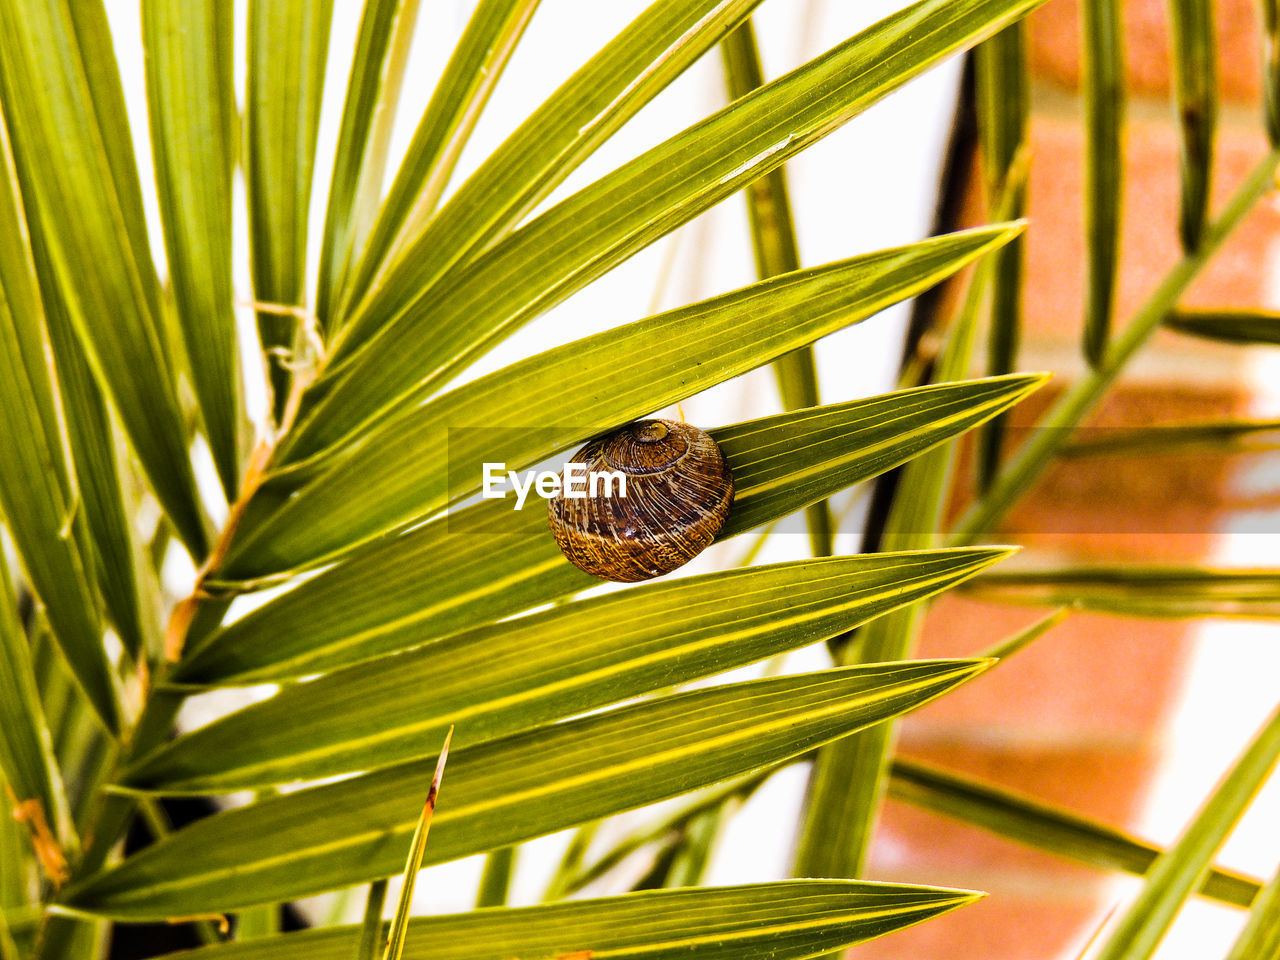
109 821
849 777
1002 82
371 929
1055 429
773 238
192 617
495 882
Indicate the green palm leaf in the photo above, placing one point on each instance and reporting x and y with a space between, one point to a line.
792 919
1142 590
360 158
91 440
1195 71
847 779
398 932
413 607
1044 826
396 474
1002 80
439 577
477 63
79 184
192 108
588 108
288 45
506 790
1261 934
585 235
1182 868
27 763
505 677
1228 326
38 497
1221 437
1102 56
773 238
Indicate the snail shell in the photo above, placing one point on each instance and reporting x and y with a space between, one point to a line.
679 490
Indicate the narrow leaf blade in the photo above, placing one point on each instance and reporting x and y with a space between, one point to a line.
1228 326
79 182
505 677
1271 50
506 790
847 779
288 46
400 923
1142 590
1044 826
788 921
587 234
439 577
469 78
1179 870
773 237
1195 75
1261 934
1003 81
92 443
38 498
584 112
1102 55
1220 437
188 50
394 473
373 90
27 762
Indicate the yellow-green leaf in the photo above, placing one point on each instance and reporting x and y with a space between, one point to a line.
1228 326
551 143
191 100
505 677
359 163
536 407
1140 590
288 46
504 791
785 921
79 184
38 497
577 240
439 577
477 63
1044 826
1180 870
27 763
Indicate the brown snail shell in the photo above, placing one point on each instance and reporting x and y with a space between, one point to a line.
679 490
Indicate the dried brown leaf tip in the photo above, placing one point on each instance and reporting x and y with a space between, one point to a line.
50 856
434 790
400 925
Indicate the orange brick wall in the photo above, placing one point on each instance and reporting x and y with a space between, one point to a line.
1076 718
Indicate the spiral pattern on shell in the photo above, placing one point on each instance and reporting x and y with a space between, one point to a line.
679 491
